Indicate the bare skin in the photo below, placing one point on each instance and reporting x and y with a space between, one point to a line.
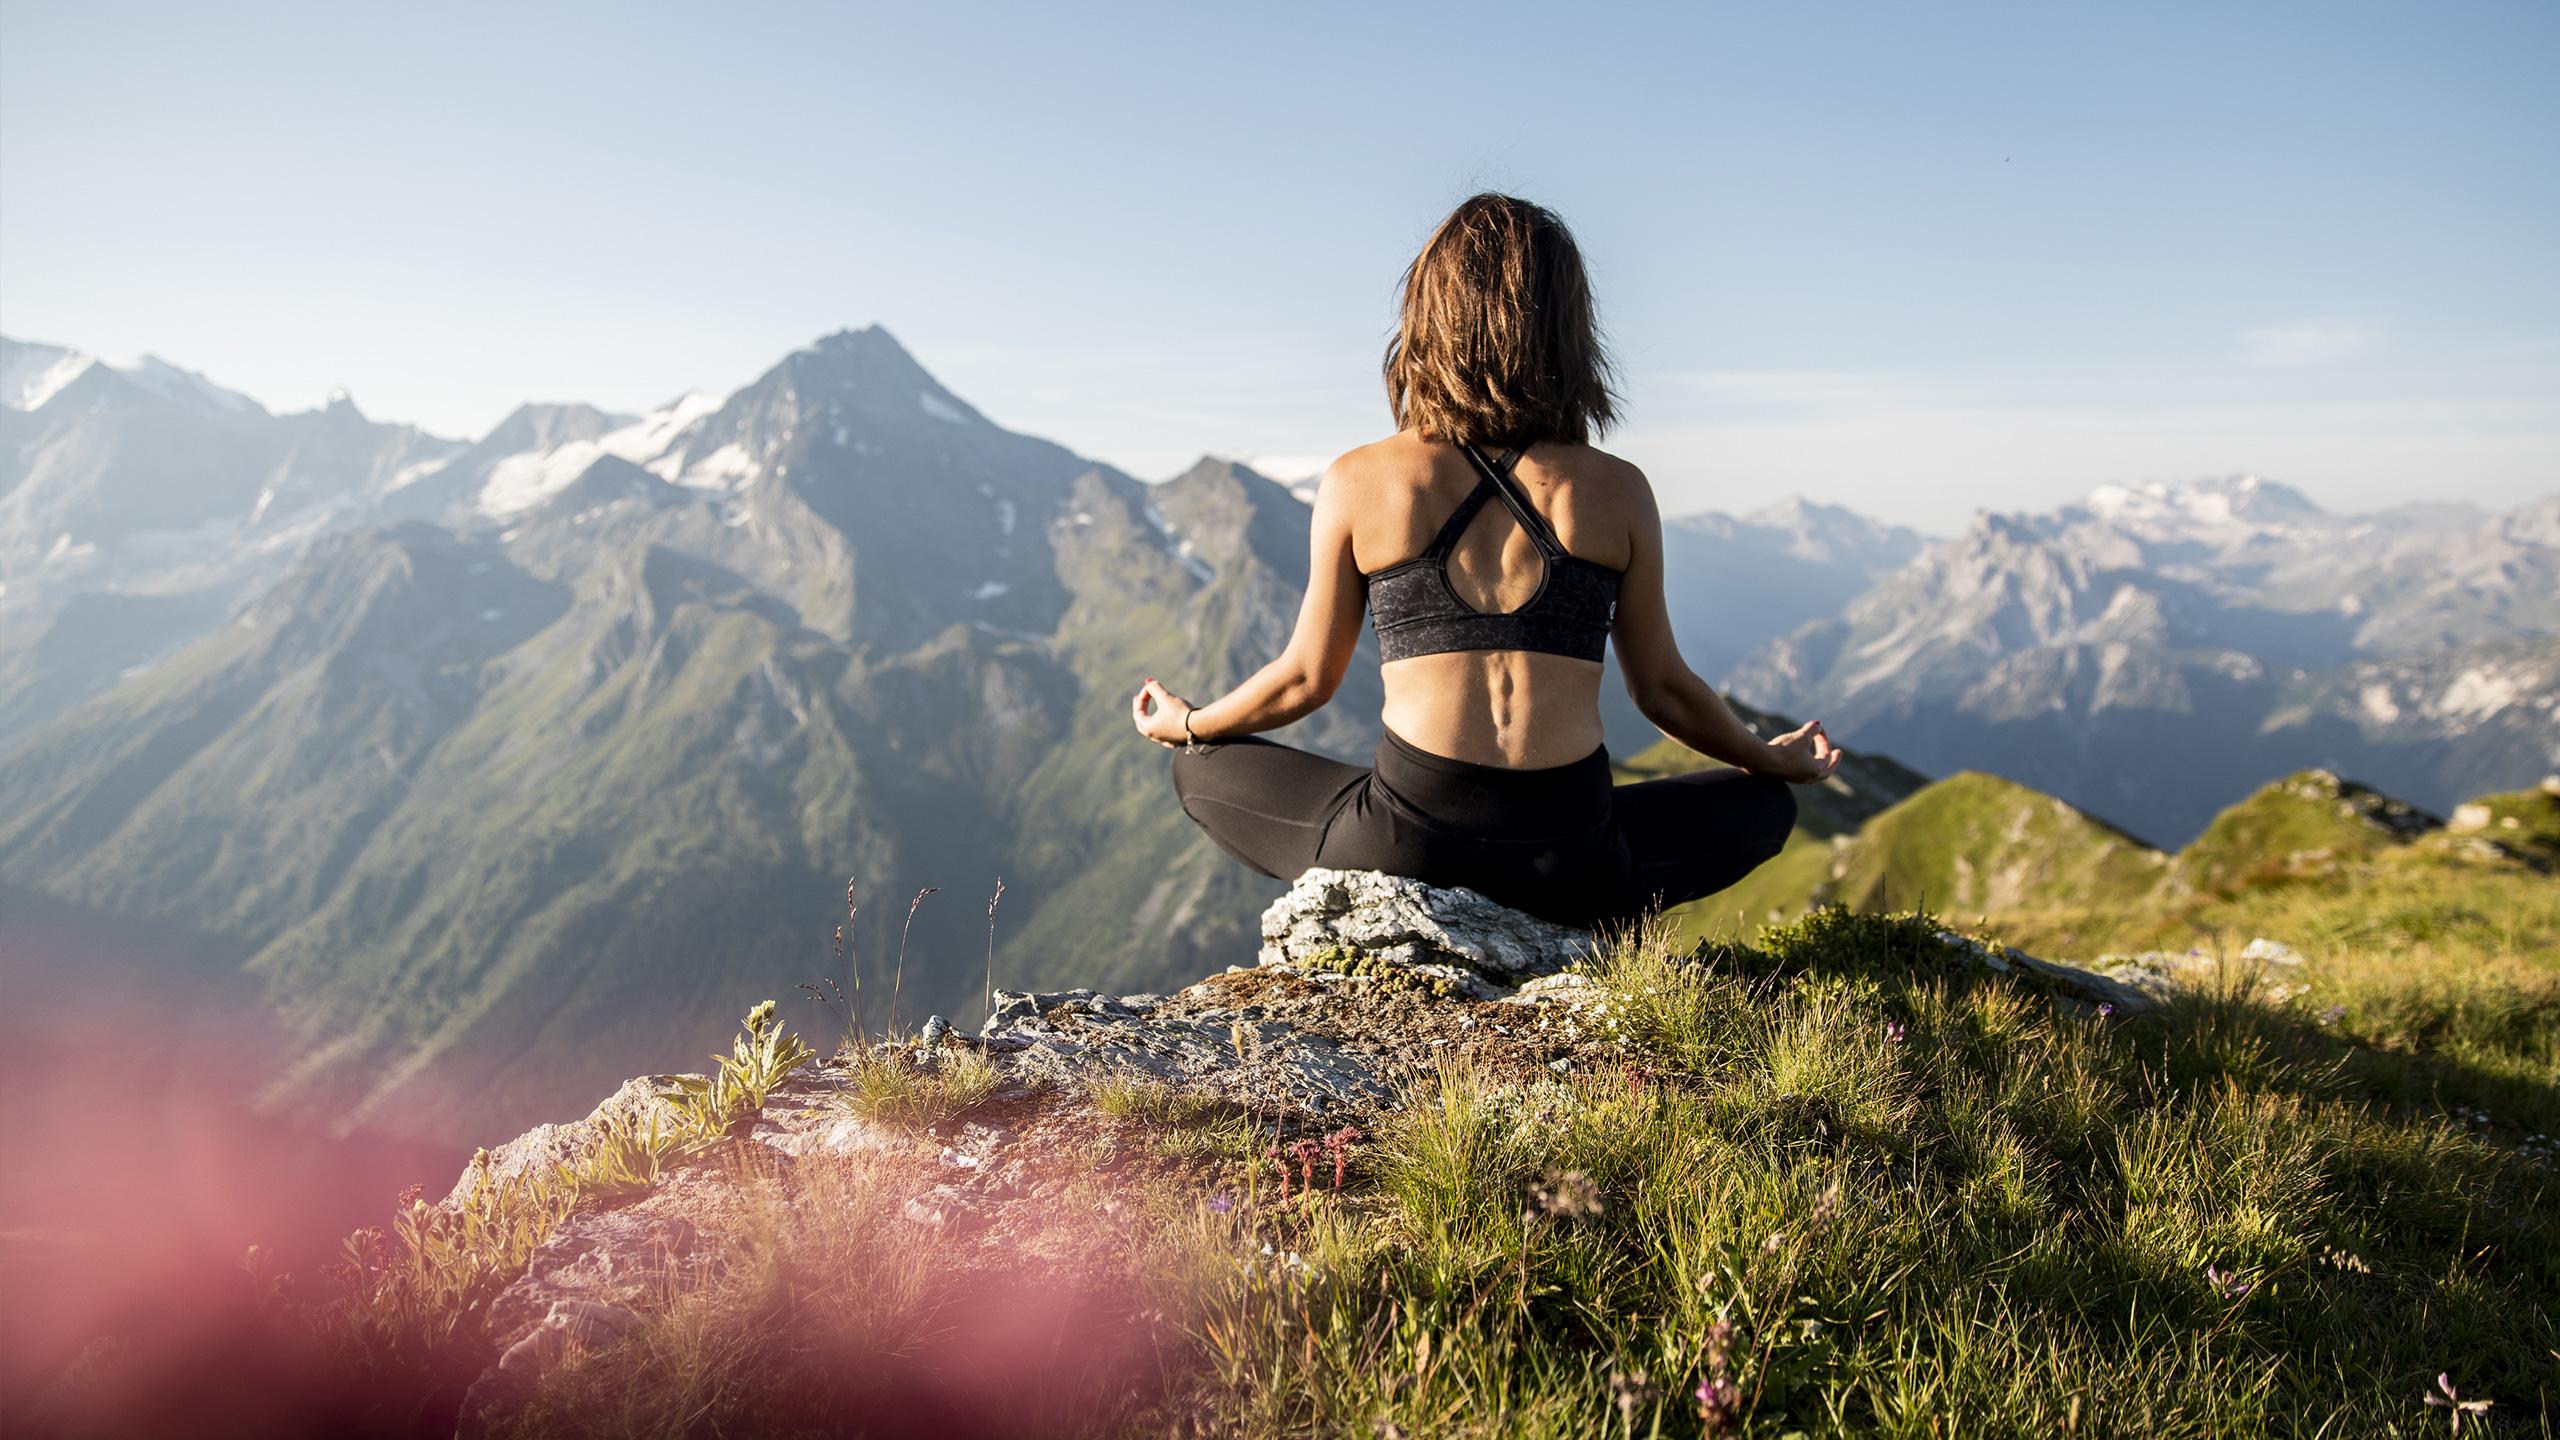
1380 505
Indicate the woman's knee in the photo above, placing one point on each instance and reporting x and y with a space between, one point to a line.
1776 811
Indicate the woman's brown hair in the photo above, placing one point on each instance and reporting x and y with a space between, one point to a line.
1497 343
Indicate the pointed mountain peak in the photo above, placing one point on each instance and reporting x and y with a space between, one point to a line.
342 405
877 373
32 373
1214 467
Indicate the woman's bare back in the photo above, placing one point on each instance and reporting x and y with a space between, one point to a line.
1515 708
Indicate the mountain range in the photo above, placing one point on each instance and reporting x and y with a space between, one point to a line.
2154 650
509 764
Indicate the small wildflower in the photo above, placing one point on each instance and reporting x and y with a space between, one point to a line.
2229 1286
2450 1400
1893 1032
2105 1009
1567 1195
1221 1203
1338 1145
1280 1160
1305 1153
1632 1391
412 1196
1719 1399
1776 1239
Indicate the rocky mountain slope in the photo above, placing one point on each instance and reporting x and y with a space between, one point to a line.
470 744
2153 649
622 723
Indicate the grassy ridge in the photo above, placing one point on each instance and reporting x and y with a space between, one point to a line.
1845 1184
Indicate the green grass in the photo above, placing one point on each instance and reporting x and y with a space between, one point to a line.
896 1088
2024 1210
2305 821
1848 1181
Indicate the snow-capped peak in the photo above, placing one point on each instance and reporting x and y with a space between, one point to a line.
529 477
31 373
2226 504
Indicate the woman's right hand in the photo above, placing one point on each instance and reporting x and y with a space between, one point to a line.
1802 756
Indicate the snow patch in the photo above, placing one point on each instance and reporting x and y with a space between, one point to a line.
723 469
411 474
37 373
1004 517
939 408
989 590
524 480
2479 694
2376 703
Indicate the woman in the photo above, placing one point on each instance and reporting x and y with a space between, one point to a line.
1499 552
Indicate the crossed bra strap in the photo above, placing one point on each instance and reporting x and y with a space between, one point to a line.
1497 481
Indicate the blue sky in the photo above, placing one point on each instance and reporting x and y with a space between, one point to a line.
1916 259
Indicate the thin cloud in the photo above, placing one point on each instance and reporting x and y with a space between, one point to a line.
2306 343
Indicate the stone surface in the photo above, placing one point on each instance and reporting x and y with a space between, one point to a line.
2070 983
1334 918
546 1147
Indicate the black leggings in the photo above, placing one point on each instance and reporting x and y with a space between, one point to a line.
1561 843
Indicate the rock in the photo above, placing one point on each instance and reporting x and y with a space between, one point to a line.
945 1207
1332 920
2070 982
584 1322
1570 988
2270 952
582 1285
935 1027
2470 817
544 1147
599 1258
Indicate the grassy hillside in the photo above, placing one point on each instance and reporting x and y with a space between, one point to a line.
2325 866
2303 824
1836 1182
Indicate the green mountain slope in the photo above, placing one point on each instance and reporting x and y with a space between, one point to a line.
2304 823
500 809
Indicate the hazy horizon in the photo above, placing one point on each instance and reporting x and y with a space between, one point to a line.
1916 264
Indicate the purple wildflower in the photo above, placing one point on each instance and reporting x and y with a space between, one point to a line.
1222 1203
2229 1286
2449 1399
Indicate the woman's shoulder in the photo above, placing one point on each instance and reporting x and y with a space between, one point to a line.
1408 454
1587 462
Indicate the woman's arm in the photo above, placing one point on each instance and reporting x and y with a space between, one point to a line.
1671 695
1309 670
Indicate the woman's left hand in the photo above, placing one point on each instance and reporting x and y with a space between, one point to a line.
1158 713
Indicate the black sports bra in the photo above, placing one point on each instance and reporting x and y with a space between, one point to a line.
1417 613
